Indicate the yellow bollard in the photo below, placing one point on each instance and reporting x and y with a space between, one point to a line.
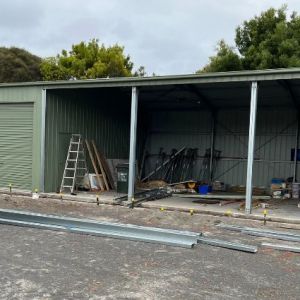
265 216
35 194
191 212
228 213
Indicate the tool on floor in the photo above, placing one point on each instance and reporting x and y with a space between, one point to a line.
75 166
172 157
146 195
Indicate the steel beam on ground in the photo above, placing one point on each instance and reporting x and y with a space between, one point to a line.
280 235
226 244
281 247
132 150
272 235
186 239
251 145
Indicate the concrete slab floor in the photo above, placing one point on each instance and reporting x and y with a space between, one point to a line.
104 197
278 209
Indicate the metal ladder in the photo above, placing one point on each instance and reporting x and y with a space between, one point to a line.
75 166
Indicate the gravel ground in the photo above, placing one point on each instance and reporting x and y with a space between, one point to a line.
41 264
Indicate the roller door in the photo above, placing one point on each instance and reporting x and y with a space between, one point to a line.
16 135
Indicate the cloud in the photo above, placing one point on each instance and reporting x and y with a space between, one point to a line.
167 37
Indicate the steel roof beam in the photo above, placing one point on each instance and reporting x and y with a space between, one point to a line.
202 98
287 86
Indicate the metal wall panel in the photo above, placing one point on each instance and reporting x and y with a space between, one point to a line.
16 136
275 137
103 119
175 129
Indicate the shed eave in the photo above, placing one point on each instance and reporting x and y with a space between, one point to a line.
233 76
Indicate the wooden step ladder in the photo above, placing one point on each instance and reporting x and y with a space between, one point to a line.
75 166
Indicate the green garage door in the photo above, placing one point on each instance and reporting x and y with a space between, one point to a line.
16 130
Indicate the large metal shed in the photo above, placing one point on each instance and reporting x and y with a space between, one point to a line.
251 116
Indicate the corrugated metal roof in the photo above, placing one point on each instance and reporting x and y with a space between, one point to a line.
234 76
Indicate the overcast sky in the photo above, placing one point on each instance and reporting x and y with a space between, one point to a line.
166 36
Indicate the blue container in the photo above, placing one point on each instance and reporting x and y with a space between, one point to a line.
204 189
277 180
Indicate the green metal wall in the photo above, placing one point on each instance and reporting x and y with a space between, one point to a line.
20 136
96 114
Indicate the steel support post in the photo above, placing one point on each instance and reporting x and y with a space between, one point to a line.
212 147
132 150
42 148
251 145
296 149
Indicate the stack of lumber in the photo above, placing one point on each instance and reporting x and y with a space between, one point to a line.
100 166
241 189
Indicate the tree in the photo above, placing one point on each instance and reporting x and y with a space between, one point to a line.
268 41
140 72
225 60
18 65
86 61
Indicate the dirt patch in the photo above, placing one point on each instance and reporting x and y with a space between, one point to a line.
115 213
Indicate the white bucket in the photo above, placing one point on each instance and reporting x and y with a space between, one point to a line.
296 190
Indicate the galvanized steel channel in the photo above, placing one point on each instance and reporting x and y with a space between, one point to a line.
280 235
281 247
170 237
178 238
228 245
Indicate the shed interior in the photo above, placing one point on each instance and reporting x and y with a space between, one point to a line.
102 115
176 116
182 117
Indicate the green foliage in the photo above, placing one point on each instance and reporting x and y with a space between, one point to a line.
140 72
18 65
225 60
268 41
86 61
